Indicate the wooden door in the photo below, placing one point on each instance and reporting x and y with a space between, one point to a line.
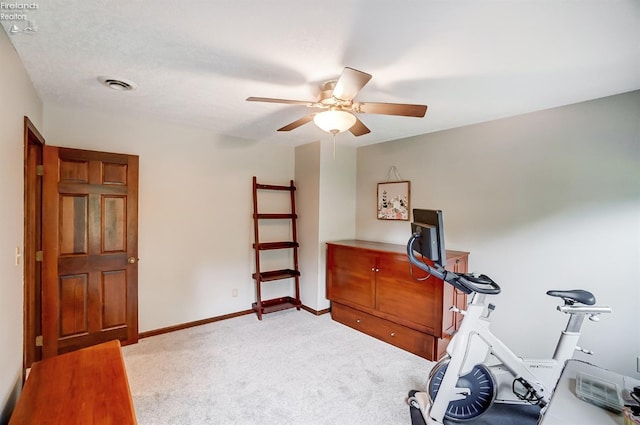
351 276
90 249
409 300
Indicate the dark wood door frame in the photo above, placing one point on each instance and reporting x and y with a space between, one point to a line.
38 230
33 154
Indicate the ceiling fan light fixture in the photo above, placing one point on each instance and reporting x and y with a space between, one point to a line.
334 121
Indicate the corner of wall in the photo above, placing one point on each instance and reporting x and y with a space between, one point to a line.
10 402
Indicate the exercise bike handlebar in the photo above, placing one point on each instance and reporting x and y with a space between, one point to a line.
466 282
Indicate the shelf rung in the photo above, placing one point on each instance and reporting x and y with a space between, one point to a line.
275 245
277 304
277 215
276 275
274 187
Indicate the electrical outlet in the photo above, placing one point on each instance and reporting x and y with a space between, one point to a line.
234 292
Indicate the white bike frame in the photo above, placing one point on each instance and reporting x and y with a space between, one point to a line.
475 344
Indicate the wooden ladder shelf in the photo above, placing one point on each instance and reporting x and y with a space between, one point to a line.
276 304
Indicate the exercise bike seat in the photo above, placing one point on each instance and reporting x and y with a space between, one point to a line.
574 296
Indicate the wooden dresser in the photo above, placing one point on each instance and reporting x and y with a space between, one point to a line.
371 289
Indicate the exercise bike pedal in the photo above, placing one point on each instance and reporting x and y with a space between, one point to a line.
414 409
526 392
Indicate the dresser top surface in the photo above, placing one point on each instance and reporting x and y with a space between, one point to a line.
386 247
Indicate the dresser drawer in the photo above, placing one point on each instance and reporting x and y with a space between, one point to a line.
408 339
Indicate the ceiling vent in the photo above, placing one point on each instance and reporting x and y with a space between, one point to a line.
117 83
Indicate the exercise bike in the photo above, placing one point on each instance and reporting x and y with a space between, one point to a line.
479 369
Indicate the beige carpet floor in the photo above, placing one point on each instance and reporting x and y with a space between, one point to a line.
290 368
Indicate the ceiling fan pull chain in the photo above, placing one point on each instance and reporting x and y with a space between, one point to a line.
395 172
334 145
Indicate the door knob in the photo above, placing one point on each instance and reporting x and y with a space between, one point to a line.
132 260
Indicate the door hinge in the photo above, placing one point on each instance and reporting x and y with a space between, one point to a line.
39 255
39 341
39 170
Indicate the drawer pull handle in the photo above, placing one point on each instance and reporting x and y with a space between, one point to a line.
393 334
357 320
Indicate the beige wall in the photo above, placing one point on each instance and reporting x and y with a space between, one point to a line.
337 218
326 202
195 226
18 99
548 200
307 177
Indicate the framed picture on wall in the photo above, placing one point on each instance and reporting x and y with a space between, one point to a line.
393 200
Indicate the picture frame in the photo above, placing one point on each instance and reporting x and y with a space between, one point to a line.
394 200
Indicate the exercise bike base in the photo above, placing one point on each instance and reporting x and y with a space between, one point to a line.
498 413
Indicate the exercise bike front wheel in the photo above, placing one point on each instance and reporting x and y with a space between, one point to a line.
482 391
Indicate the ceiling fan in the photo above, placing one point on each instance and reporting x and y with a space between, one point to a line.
335 107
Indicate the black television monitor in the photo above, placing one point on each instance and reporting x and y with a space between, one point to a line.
431 243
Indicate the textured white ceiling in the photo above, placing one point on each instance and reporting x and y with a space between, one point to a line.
195 62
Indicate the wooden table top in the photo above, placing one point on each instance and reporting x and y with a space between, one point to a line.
87 386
